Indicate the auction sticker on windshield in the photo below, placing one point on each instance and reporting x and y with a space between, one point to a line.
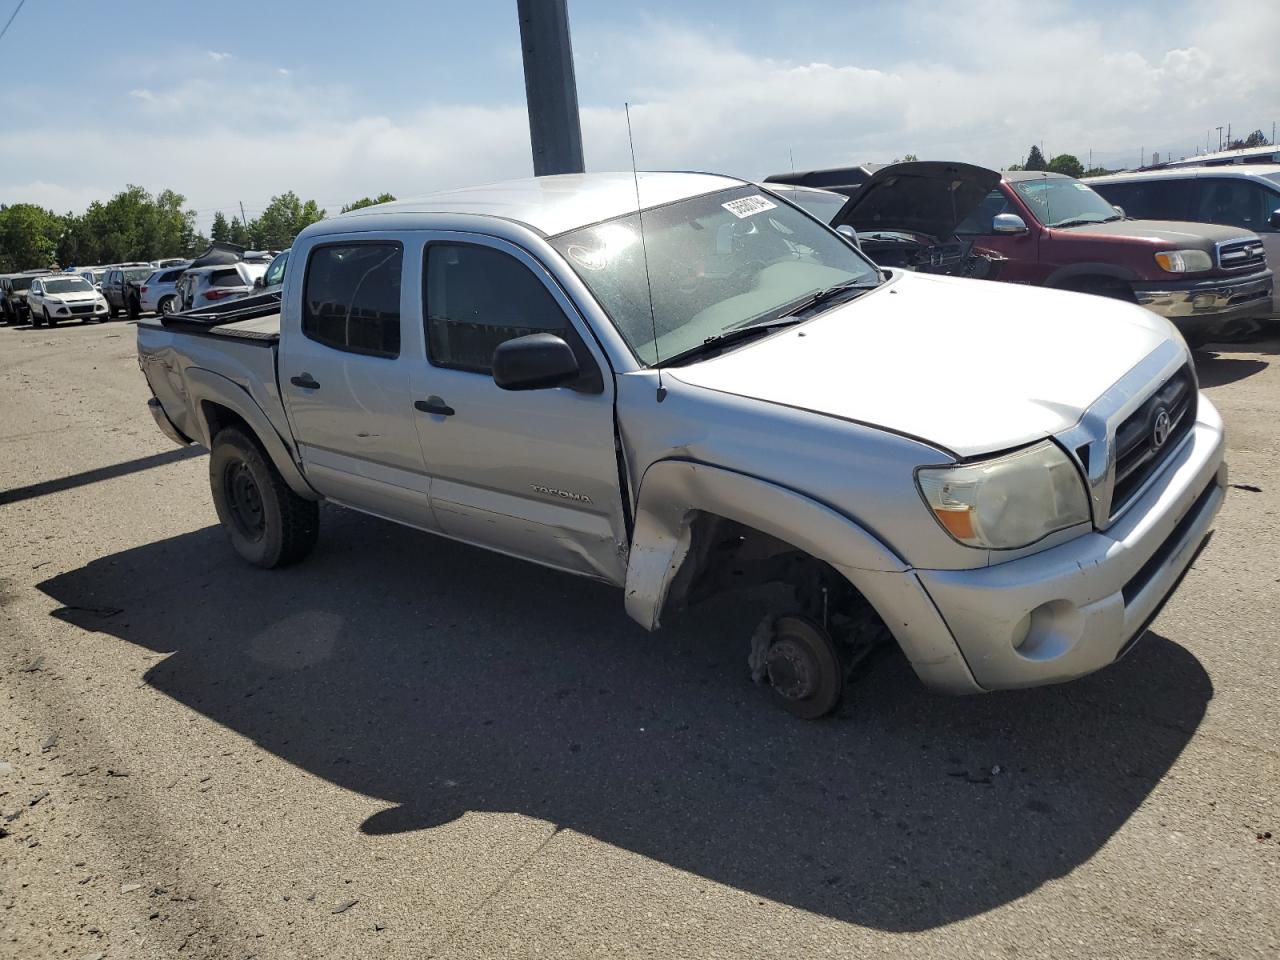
745 207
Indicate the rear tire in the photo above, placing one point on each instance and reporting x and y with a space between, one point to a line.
166 306
267 523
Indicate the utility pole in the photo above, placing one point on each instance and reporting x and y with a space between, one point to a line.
551 90
244 221
1219 139
1228 136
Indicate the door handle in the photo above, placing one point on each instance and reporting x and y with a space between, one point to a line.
306 381
434 405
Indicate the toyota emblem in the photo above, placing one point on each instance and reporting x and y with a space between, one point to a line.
1160 429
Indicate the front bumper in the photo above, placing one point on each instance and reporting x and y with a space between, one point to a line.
1195 305
1077 607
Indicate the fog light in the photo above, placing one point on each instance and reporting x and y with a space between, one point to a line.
1204 301
1052 629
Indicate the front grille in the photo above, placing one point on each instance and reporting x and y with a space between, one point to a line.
1139 449
1237 255
82 308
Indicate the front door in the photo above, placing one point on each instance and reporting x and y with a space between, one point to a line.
1022 250
531 473
345 375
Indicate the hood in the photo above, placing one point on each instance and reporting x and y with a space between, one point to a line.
78 296
219 254
928 196
970 366
1174 233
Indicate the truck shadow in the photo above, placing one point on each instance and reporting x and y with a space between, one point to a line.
442 679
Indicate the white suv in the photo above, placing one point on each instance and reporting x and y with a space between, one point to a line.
159 292
203 286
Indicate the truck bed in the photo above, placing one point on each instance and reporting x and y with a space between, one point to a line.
234 348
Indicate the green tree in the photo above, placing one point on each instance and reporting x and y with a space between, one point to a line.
1257 139
220 230
29 236
367 202
1014 166
1035 160
910 157
238 233
1065 163
284 218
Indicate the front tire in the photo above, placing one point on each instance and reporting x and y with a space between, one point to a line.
267 523
48 320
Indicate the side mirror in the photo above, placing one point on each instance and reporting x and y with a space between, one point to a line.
1274 219
849 234
260 281
534 362
1008 224
1118 209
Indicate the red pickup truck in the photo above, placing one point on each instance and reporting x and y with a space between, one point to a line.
1047 229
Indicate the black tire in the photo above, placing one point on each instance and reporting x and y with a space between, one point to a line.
133 308
48 320
166 305
267 523
35 322
804 668
112 312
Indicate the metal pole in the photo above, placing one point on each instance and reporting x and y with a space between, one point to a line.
555 131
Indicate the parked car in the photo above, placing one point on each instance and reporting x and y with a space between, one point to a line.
120 286
1008 481
1244 195
170 262
64 296
94 275
13 294
201 286
273 280
159 292
1046 229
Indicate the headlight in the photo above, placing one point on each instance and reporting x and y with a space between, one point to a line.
1009 502
1184 261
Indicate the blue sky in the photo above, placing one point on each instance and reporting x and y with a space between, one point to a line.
238 101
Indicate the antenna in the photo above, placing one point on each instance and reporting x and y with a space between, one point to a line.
644 253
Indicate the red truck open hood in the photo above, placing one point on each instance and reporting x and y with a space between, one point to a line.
920 196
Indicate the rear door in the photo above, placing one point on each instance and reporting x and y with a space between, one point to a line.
531 473
345 374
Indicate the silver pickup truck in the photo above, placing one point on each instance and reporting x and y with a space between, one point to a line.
683 386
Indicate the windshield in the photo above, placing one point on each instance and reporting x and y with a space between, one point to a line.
1061 201
68 285
22 283
716 262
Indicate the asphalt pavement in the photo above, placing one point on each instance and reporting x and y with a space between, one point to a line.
407 747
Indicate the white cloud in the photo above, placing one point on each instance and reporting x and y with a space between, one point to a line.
698 102
217 57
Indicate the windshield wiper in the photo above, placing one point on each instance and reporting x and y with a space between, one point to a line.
1083 223
730 337
829 293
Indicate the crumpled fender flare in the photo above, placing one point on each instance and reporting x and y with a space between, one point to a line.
205 385
673 492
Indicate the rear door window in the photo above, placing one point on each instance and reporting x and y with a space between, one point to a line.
226 278
1236 202
351 298
170 277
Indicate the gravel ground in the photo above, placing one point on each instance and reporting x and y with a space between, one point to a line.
406 747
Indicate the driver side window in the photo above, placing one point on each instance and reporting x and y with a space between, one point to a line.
979 222
476 298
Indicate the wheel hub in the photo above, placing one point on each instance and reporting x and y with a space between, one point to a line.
792 671
246 500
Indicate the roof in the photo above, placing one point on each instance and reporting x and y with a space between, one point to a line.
1014 176
1228 157
554 204
1270 171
